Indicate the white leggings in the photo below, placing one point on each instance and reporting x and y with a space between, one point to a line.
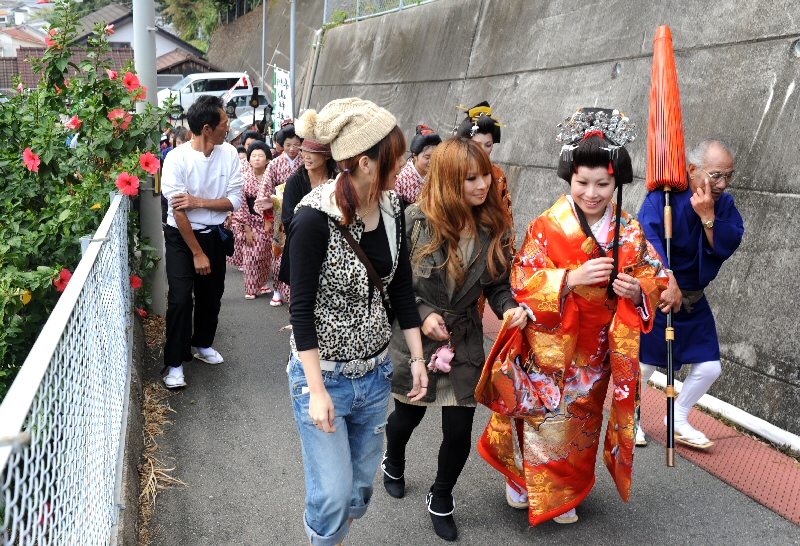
698 382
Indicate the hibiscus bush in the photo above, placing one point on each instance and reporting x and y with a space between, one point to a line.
67 143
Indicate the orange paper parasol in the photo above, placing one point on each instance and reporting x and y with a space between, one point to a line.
666 151
666 168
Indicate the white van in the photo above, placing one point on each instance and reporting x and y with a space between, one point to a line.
192 86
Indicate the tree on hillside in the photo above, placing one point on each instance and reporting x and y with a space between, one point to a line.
197 20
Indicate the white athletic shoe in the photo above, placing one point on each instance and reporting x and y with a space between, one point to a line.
207 355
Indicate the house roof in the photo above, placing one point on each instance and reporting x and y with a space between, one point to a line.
8 71
118 15
177 57
112 13
23 35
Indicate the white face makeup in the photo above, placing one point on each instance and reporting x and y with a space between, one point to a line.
485 140
592 189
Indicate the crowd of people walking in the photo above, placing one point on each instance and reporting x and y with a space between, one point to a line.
387 264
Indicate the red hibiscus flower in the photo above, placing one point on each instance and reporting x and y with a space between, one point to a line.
50 39
109 30
149 162
128 184
131 81
62 280
112 75
141 312
31 160
136 281
73 123
120 118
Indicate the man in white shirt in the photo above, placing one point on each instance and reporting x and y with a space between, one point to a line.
203 182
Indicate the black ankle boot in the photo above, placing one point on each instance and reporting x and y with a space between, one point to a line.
441 511
393 480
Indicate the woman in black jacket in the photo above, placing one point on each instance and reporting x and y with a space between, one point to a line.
460 239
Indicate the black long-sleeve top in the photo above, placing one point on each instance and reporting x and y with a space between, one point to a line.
310 236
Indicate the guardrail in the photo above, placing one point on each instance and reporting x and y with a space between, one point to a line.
62 423
347 11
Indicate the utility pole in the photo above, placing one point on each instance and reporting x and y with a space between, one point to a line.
292 51
144 43
263 45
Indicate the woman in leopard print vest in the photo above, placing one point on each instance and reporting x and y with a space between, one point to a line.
340 372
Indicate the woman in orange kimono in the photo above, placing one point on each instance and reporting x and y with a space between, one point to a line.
587 303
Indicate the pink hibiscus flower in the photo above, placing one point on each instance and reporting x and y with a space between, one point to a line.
50 39
120 118
131 81
62 280
149 162
31 160
112 75
20 88
109 30
73 123
128 184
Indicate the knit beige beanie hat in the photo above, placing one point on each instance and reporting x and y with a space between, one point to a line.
351 126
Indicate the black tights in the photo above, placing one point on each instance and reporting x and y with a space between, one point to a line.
456 441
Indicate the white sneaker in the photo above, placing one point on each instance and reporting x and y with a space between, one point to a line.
641 439
207 355
174 379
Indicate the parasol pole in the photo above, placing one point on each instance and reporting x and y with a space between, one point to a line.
666 169
670 337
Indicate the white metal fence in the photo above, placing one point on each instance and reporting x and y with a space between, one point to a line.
346 11
62 420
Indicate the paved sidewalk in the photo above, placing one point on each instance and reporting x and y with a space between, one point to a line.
234 441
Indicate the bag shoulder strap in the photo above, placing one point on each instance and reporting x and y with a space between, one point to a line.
373 275
415 235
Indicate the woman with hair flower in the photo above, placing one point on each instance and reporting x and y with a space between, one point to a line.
591 281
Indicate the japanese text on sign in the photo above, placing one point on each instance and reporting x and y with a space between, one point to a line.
283 98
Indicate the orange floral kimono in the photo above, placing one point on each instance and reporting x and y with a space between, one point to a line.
575 344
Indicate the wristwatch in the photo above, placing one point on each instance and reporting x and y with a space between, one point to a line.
709 224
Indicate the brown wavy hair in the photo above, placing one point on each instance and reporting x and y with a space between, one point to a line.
442 201
385 153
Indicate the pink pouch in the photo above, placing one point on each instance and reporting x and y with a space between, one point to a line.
440 360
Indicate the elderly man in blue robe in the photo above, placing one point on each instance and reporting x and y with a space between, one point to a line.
707 230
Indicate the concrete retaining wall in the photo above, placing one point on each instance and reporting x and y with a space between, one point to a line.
537 61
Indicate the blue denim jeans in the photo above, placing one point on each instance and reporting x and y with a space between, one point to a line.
341 466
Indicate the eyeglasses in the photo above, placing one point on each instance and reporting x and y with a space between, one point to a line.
717 176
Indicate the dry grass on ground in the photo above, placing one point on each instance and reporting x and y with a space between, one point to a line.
154 476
